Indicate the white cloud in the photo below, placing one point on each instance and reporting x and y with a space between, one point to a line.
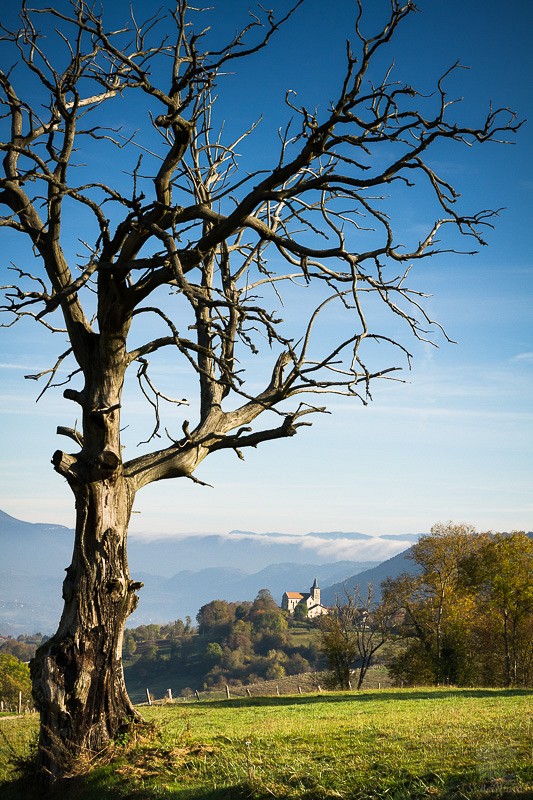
372 548
523 358
4 365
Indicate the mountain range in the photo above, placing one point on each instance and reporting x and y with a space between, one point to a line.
182 573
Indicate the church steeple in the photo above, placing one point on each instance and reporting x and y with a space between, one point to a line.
315 592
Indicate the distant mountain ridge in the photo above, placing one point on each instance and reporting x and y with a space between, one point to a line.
163 600
9 523
334 535
46 549
180 573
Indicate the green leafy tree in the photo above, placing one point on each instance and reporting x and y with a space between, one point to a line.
14 678
501 574
213 653
129 646
300 613
433 599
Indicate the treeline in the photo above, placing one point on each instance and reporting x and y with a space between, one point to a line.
467 615
233 643
24 646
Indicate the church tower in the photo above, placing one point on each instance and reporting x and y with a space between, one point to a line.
314 591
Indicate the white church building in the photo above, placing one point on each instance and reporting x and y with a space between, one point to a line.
311 599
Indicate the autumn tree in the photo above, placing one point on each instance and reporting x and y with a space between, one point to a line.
433 602
174 259
500 574
214 614
468 612
14 681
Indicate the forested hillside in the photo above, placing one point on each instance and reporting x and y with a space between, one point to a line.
232 643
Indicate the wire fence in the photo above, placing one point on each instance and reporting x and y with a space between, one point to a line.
306 683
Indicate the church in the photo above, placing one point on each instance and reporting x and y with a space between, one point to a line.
311 599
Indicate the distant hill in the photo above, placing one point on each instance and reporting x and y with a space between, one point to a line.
184 593
34 548
180 574
391 568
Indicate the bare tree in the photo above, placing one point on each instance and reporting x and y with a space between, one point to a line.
353 632
189 223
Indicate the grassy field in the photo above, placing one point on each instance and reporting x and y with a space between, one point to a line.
392 745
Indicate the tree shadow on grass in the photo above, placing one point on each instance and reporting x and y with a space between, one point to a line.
93 788
366 696
96 786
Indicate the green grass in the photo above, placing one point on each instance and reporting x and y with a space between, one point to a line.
388 745
302 637
18 736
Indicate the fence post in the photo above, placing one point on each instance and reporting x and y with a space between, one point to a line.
227 692
299 689
197 694
248 692
20 703
148 697
169 694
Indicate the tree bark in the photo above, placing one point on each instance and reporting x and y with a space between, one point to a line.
78 680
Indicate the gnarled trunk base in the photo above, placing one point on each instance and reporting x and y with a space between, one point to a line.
78 680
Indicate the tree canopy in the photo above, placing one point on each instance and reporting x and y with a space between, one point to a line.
468 614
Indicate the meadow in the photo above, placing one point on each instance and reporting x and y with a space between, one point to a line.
392 744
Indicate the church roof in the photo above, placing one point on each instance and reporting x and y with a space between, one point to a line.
294 595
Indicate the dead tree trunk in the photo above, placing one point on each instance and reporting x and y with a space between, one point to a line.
78 679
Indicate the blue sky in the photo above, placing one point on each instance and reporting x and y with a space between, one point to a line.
455 441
